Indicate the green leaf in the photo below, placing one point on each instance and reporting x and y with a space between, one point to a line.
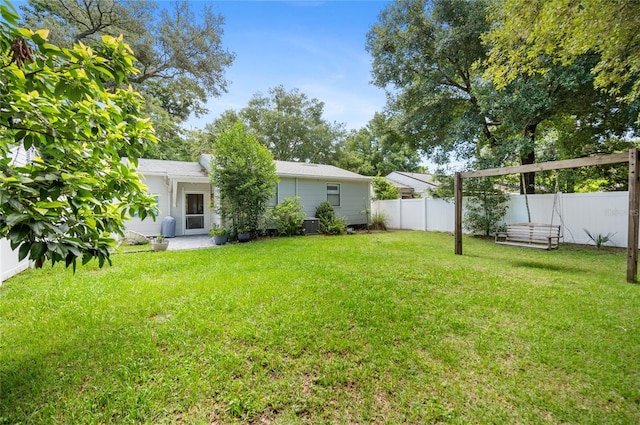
24 250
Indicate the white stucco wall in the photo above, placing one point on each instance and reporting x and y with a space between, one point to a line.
148 227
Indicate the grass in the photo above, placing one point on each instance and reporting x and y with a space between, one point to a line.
379 328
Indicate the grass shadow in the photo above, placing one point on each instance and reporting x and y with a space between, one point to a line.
546 266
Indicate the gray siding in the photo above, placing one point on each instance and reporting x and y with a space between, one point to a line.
354 196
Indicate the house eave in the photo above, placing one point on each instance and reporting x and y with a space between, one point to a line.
327 178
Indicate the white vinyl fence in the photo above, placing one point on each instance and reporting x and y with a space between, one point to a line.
599 213
9 264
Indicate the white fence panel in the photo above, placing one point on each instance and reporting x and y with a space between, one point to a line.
390 210
600 213
440 215
413 214
9 264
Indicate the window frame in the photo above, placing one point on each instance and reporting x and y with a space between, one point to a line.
339 193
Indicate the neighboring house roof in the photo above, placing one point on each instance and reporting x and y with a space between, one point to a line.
424 178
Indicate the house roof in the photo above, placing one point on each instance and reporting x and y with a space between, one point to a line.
170 168
305 170
422 177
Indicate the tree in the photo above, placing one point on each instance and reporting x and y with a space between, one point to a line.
384 189
180 56
291 126
378 149
424 54
486 206
528 33
430 55
245 174
74 196
201 140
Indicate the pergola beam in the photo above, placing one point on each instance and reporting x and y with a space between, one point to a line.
616 158
634 195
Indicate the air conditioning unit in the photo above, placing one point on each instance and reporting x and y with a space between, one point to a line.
310 226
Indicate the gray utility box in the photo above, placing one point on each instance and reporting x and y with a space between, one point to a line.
168 228
310 226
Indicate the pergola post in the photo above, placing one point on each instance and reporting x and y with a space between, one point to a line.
634 218
458 213
616 158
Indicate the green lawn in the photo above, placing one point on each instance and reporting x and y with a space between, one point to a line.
380 328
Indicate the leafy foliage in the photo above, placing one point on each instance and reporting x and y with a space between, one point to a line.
378 148
528 32
378 221
74 107
384 189
486 206
245 174
599 239
328 222
430 55
292 127
288 216
180 55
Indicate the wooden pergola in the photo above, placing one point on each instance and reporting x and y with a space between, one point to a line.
618 158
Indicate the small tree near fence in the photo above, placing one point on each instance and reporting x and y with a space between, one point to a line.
383 189
245 174
486 206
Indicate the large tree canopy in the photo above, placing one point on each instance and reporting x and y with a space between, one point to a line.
288 123
527 33
180 55
430 56
378 149
74 195
423 53
292 127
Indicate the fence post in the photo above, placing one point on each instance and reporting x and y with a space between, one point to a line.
426 227
634 218
458 214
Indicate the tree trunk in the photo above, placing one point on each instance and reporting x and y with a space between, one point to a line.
529 179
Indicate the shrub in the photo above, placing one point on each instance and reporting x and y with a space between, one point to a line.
378 221
384 189
486 206
288 216
599 239
328 222
244 172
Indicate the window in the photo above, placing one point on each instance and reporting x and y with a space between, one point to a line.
333 194
273 201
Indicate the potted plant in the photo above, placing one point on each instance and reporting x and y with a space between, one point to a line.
243 234
159 243
219 235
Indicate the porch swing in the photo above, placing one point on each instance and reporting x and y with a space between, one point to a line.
529 234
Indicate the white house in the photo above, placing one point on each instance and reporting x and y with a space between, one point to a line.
9 262
184 192
412 184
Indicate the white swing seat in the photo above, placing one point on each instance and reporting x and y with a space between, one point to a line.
530 235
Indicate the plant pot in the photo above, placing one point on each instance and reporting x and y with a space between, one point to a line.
244 237
220 239
160 246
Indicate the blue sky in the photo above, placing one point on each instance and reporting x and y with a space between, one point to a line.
315 46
